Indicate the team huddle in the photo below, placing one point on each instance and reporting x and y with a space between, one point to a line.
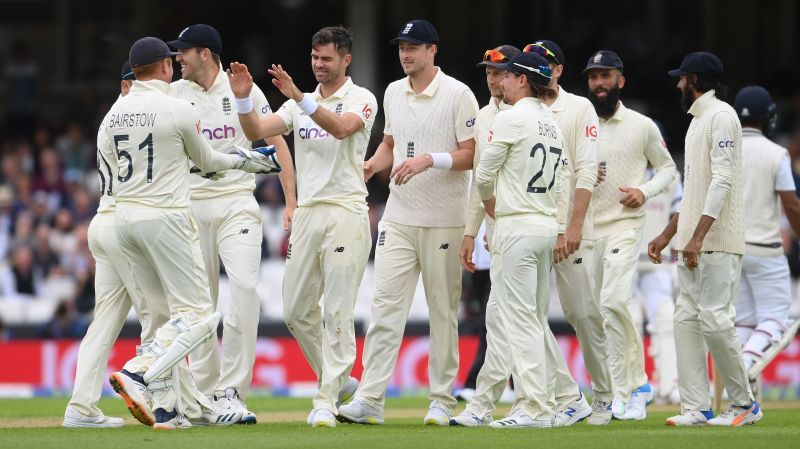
558 183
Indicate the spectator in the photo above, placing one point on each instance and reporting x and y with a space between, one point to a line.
45 260
20 280
63 324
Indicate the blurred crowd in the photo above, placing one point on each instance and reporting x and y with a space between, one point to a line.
49 192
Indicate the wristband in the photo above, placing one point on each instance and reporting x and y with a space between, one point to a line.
244 105
442 160
308 104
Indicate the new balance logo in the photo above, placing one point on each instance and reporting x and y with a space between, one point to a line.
615 251
339 249
244 231
381 238
570 412
226 105
444 246
578 261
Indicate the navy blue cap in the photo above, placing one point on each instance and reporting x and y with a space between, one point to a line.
754 103
199 35
604 59
127 71
417 32
702 63
498 56
148 50
548 49
533 65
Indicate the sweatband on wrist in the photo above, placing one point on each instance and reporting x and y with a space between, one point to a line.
308 104
442 160
244 105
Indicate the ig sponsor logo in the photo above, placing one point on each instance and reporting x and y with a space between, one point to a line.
591 131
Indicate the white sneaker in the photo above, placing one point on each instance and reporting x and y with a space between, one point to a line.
736 416
359 412
437 415
618 408
465 394
73 419
137 397
637 407
347 392
601 413
518 418
231 402
469 419
573 412
170 420
322 417
220 418
690 418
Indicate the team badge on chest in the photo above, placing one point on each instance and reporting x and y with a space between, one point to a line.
226 105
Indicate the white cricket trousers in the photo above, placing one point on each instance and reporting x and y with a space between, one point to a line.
704 317
328 252
765 291
575 280
230 229
402 253
656 287
618 259
112 282
162 247
517 332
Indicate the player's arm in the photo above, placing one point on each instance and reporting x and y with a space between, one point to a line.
661 241
286 177
656 152
197 147
784 185
585 175
504 135
382 159
339 126
107 159
254 127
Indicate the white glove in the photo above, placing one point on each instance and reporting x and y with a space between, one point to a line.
259 160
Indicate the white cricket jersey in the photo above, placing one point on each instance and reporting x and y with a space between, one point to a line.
330 170
433 121
149 138
578 122
767 173
520 164
107 175
628 141
219 123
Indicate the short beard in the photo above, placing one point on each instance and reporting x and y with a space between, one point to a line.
607 107
687 99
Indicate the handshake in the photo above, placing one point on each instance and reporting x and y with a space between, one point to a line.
259 160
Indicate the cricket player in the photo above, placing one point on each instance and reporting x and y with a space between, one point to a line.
575 257
628 141
762 305
149 139
475 225
228 218
330 241
710 230
654 284
114 296
429 144
518 181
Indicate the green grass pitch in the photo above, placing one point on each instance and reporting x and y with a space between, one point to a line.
35 423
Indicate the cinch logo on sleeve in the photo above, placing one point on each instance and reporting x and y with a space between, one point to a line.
226 132
471 122
726 144
312 132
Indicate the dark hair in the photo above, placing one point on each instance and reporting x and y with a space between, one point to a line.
339 36
703 85
538 91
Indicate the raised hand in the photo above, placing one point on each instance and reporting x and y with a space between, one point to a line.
284 83
240 79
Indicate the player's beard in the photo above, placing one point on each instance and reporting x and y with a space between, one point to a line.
686 99
607 106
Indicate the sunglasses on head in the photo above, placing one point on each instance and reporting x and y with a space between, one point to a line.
541 50
494 56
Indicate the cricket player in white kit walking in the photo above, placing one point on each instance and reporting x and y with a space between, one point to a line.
520 182
150 138
762 305
710 230
628 141
228 218
114 296
430 121
575 257
330 241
